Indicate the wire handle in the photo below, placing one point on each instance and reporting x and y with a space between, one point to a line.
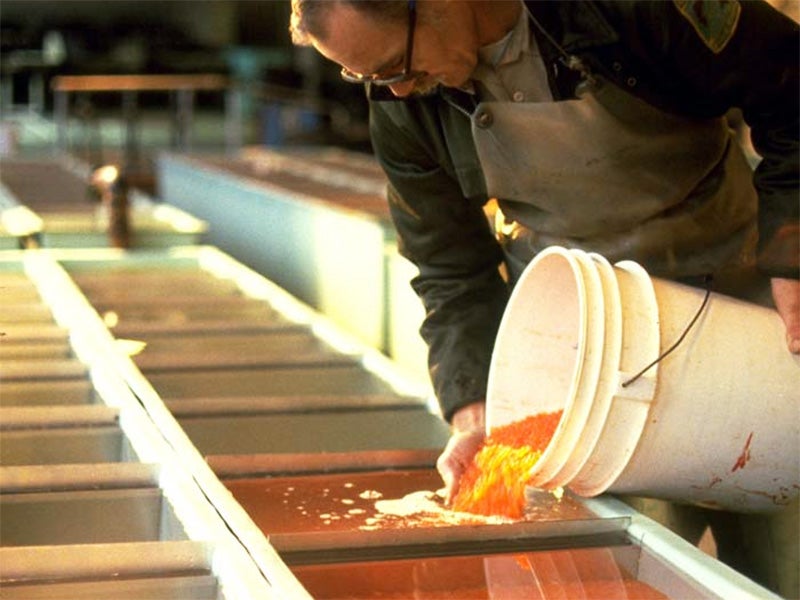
707 280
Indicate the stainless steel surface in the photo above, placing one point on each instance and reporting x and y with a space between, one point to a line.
82 517
71 471
128 560
243 421
45 185
42 392
57 349
124 570
37 363
26 312
180 321
308 403
602 573
233 467
284 381
168 587
342 274
337 513
26 332
106 283
56 192
63 445
39 369
323 431
19 418
50 478
217 350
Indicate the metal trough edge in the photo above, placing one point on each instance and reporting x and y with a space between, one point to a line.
79 476
327 547
186 407
30 417
252 465
98 560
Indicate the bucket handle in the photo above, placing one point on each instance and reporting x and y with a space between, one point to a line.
708 279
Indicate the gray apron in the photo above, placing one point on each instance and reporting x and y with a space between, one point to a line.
611 174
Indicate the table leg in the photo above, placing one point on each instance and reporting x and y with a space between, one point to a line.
36 99
7 93
183 119
130 115
61 110
234 110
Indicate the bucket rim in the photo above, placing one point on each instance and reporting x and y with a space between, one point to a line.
607 377
630 406
493 417
556 456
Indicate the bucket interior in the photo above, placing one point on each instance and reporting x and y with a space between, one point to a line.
540 344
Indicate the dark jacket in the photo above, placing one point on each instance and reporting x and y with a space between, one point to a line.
437 192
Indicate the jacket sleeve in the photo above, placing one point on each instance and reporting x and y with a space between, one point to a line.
447 236
715 56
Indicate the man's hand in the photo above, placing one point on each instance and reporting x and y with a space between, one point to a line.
469 430
786 293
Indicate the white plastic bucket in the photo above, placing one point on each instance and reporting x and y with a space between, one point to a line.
714 422
599 401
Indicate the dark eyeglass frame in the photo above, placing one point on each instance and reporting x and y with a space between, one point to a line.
406 74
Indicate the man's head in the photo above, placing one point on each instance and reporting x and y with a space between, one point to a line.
370 39
309 17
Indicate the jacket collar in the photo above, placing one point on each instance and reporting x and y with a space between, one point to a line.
574 25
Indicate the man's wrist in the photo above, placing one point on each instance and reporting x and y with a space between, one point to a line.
470 417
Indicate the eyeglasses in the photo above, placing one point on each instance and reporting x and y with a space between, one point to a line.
406 74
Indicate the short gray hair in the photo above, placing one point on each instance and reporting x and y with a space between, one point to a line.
309 17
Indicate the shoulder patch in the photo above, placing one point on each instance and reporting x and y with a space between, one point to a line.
714 21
